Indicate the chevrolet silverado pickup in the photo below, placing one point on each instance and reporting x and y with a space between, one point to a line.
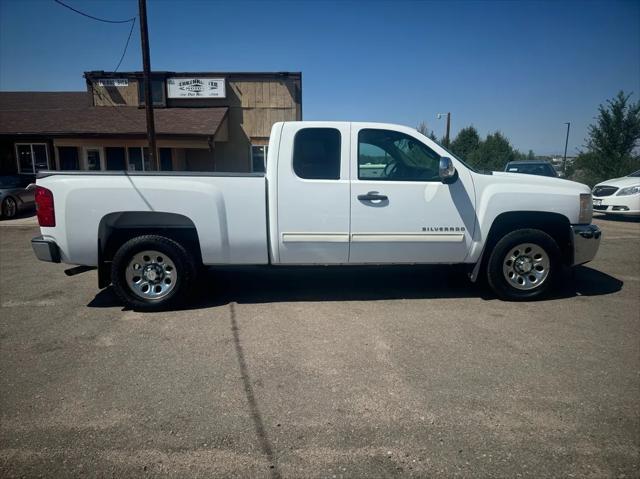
334 193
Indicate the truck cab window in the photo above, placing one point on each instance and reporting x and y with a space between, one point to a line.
393 156
316 154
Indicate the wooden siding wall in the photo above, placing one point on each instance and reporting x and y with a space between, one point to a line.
266 102
115 95
263 101
255 104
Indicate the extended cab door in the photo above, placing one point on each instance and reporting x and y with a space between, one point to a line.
401 212
313 193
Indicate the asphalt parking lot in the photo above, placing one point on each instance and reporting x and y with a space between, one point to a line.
366 372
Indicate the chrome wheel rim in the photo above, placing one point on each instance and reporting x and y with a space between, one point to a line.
9 209
526 266
151 275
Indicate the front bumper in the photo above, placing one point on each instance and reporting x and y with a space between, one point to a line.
617 205
586 241
45 249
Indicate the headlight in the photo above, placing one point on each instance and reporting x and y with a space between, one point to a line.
586 209
629 190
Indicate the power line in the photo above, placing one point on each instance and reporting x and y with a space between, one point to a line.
132 20
91 16
133 24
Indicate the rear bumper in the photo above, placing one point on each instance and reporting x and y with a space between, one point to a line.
586 241
45 249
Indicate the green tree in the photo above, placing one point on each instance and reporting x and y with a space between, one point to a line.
612 142
466 142
493 153
424 129
582 169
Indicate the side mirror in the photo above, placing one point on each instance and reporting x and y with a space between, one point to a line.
446 170
30 186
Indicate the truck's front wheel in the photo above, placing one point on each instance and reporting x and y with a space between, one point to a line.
152 272
523 265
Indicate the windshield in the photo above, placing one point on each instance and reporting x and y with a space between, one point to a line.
540 169
635 173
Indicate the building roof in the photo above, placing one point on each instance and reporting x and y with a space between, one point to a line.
44 100
110 121
161 73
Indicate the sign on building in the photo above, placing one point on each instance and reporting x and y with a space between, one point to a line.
113 82
196 88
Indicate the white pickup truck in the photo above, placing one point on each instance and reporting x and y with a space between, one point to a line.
334 193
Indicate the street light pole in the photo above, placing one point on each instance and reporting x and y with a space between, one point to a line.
566 143
148 99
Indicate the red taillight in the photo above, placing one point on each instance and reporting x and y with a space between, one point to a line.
44 207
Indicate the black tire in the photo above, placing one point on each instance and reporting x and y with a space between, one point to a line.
6 210
497 277
185 270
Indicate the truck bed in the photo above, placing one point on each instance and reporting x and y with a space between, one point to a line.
228 210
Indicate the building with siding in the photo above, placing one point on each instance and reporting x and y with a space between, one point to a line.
205 121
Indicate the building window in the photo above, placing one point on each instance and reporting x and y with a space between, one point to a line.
259 158
32 157
139 158
393 156
93 159
157 92
316 154
68 158
115 158
166 160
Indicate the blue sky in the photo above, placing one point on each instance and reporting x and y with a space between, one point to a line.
520 67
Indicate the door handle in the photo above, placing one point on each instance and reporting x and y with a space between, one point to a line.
373 196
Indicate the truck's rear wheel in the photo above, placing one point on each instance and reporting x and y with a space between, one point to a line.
152 272
523 265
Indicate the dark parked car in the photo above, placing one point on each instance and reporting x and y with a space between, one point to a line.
14 195
531 167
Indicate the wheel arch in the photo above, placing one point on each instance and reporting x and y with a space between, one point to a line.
115 229
555 225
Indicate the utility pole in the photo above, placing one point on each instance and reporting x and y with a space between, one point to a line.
148 98
448 130
566 143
